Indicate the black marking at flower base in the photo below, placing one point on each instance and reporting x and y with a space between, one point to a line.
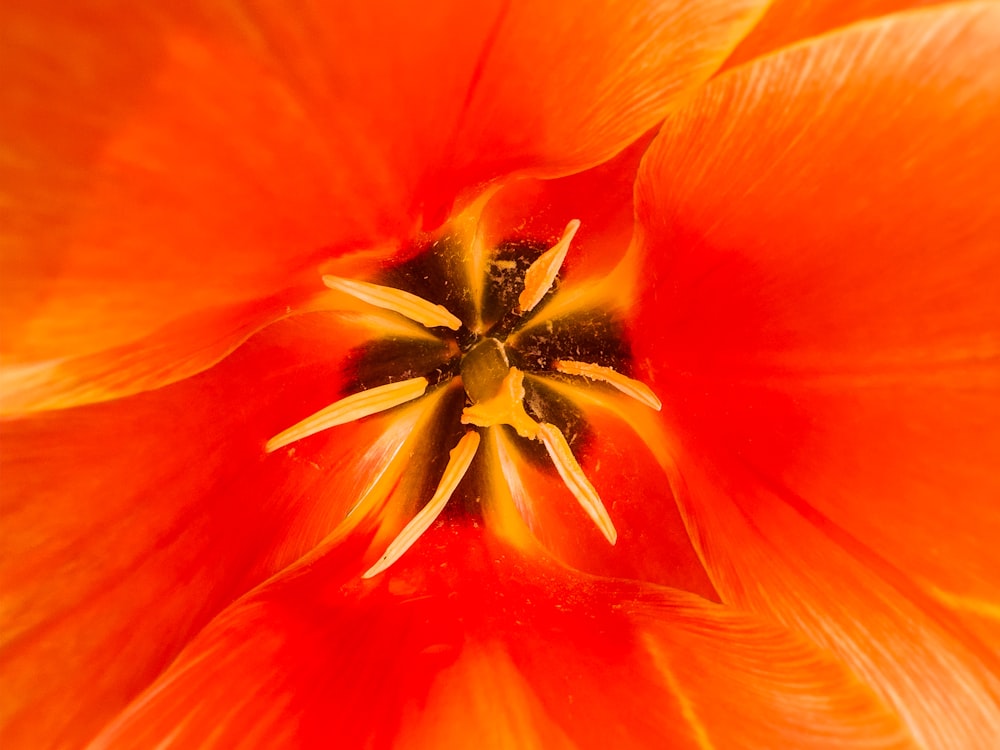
391 360
438 274
594 336
442 439
504 282
545 405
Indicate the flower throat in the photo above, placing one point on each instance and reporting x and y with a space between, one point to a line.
493 358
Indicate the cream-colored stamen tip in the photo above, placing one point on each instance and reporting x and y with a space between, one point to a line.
427 314
630 387
459 461
542 273
350 408
577 482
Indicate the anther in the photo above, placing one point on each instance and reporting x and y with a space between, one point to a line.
541 274
408 305
634 388
574 478
459 461
350 408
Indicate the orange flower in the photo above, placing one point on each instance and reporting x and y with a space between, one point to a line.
794 245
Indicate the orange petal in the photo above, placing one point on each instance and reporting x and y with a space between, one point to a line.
233 149
127 525
773 553
185 347
821 312
789 21
565 86
510 650
158 163
182 349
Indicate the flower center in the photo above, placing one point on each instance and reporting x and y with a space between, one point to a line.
497 352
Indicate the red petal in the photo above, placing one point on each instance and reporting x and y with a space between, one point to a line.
163 166
789 21
233 149
464 638
822 314
601 198
128 525
637 489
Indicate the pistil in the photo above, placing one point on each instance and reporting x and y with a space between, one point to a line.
483 369
506 407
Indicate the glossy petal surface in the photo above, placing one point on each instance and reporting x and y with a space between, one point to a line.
491 644
789 21
824 324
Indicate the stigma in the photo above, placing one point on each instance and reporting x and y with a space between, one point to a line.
502 357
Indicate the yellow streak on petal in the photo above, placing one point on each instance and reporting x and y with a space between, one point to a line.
634 388
507 407
459 461
348 409
970 604
385 324
577 482
662 664
468 229
508 491
504 702
408 305
540 274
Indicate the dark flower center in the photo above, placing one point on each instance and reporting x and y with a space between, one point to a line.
493 339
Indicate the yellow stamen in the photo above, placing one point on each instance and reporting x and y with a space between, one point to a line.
348 409
540 274
577 482
507 407
459 461
408 305
637 390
